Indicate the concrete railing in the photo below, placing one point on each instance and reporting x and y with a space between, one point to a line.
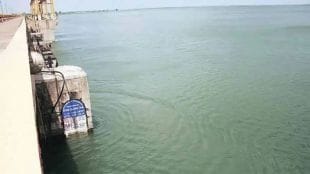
19 148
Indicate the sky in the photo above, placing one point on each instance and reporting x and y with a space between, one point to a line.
80 5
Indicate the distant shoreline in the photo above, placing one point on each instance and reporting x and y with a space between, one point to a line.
209 6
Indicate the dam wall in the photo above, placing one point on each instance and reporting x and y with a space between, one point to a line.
19 147
30 93
56 85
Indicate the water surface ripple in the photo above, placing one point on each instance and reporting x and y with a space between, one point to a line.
191 90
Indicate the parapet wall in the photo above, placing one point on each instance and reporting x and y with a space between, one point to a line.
19 148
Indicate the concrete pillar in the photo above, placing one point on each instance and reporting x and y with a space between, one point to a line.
48 89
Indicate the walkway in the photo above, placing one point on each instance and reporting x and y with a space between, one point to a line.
7 31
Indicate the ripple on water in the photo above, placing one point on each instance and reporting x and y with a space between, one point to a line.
213 92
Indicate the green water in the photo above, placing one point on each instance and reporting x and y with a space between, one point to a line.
215 90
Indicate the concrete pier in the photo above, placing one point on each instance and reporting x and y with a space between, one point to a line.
48 89
19 148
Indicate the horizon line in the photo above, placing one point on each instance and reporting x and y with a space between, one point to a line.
200 6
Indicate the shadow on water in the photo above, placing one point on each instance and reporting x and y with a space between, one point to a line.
57 157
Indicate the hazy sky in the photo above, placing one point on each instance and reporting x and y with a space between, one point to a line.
72 5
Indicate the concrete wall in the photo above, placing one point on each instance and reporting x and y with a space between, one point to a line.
46 27
19 148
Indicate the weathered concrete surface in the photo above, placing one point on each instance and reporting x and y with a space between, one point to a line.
46 27
19 148
48 88
7 31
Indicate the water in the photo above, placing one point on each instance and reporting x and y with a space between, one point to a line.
191 90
